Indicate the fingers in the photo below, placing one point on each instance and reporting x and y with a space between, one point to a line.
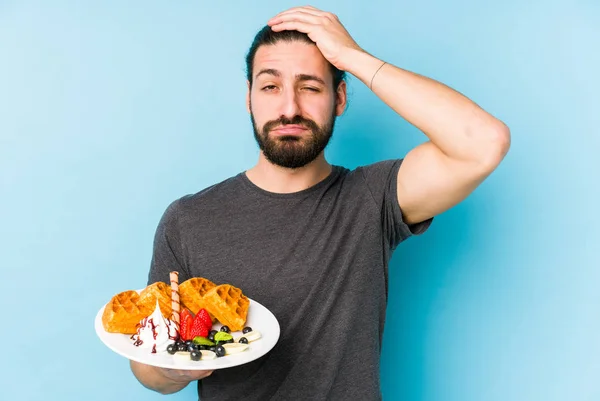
294 26
306 14
301 20
296 16
306 9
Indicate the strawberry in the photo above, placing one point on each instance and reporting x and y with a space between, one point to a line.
203 313
199 328
186 318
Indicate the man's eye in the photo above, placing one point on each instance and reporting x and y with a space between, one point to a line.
311 89
269 87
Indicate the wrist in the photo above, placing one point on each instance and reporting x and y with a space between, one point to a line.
361 64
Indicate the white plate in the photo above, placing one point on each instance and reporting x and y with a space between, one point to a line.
259 318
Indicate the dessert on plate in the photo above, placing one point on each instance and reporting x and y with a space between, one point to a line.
125 310
192 293
179 319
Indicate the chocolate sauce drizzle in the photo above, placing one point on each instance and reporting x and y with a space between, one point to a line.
150 321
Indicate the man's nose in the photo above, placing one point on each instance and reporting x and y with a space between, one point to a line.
290 106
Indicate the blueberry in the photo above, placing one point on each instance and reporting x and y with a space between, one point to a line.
192 347
243 340
213 332
247 330
182 347
225 329
219 350
172 348
195 355
212 348
211 336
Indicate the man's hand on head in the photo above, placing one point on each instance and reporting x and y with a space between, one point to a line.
324 28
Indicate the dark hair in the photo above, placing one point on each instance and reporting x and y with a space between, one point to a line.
266 36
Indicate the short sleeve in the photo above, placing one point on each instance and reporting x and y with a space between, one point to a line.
167 254
382 180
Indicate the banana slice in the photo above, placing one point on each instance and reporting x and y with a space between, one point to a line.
234 348
182 355
250 336
207 354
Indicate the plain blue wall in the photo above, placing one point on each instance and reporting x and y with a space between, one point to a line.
110 111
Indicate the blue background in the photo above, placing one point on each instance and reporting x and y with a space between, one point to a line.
110 110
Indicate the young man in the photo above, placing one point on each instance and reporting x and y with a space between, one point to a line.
309 240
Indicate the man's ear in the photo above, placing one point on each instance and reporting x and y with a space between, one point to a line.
341 98
248 97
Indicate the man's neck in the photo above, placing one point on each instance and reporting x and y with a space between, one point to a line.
278 179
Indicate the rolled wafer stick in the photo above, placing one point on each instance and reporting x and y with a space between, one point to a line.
175 297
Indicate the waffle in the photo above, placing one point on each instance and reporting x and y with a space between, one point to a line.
228 304
122 314
125 310
148 297
192 291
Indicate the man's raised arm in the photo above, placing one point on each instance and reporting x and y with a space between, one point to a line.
465 142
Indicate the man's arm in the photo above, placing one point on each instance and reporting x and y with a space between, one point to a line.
465 143
165 381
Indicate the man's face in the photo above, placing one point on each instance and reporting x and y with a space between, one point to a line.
292 103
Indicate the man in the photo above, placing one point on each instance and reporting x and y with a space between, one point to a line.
309 240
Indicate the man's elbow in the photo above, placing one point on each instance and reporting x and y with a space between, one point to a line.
497 145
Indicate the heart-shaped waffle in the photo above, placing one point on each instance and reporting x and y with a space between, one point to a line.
126 309
122 313
157 291
228 304
192 291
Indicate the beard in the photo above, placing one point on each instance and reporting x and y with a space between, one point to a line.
293 151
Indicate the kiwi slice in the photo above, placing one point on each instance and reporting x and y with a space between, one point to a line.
198 340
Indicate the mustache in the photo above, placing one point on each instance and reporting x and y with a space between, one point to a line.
296 120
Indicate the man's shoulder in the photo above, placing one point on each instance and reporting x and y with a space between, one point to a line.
218 193
381 165
378 170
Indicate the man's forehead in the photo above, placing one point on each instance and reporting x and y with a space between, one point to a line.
290 58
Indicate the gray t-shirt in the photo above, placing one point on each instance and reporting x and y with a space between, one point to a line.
317 259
